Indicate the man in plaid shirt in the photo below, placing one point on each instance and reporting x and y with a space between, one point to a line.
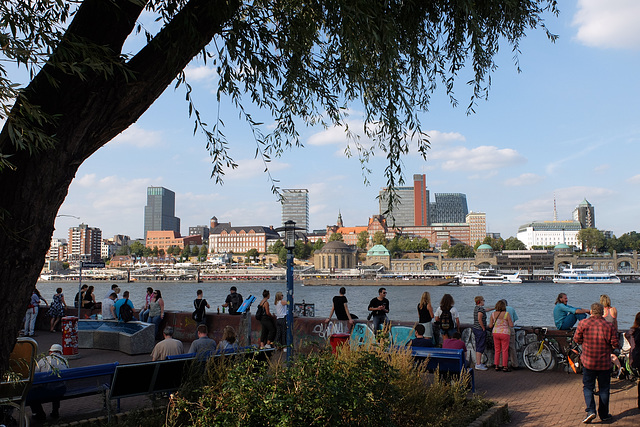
598 338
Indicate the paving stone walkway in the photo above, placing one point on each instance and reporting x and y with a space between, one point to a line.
554 398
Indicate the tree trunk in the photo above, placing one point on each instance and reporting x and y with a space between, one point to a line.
91 110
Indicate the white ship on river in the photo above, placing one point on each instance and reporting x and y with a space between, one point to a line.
584 275
488 277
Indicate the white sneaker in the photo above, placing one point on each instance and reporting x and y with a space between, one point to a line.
481 367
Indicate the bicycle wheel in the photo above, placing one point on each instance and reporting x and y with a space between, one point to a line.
537 358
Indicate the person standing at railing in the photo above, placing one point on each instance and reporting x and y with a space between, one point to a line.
479 329
565 316
32 313
501 323
598 338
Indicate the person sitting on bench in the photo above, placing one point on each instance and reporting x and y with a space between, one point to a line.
53 362
420 340
169 346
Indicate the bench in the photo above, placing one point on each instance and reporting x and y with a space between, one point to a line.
72 383
444 359
163 376
214 352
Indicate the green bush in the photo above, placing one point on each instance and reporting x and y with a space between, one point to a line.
353 388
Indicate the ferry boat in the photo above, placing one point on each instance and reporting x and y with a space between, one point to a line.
488 277
584 275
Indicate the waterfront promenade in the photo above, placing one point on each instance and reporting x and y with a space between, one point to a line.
534 399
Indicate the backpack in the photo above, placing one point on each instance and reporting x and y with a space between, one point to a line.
446 320
260 312
126 313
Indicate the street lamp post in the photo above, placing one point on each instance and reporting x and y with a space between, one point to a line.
289 244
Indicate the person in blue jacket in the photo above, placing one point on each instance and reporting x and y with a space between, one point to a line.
565 316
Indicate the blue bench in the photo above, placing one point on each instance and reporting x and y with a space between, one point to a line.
444 359
71 383
163 376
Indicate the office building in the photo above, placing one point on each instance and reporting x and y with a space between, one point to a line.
295 207
477 226
449 208
164 239
412 207
57 249
549 233
159 214
585 214
84 243
225 238
200 230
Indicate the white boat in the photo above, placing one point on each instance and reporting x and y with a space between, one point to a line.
584 275
488 277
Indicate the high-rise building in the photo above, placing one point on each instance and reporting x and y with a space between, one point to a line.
477 226
449 208
585 214
295 207
159 214
84 243
412 206
420 200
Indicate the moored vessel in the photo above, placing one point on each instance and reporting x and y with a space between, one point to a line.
488 277
584 275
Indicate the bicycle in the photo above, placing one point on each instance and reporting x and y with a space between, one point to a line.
539 355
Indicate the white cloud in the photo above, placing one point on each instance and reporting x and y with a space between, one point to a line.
111 203
602 168
440 138
201 73
252 168
524 179
634 179
139 137
87 180
608 24
477 159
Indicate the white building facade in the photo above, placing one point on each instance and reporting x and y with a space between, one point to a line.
550 233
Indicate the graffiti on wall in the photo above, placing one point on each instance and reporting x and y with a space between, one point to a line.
325 330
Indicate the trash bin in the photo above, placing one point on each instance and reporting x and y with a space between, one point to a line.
338 340
69 335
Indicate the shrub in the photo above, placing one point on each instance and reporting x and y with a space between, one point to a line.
353 388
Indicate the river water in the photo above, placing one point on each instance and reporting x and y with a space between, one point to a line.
533 301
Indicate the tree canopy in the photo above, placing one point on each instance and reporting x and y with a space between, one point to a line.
461 250
302 62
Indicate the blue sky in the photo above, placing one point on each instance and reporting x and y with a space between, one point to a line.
566 126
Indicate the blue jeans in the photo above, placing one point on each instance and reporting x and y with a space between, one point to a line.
156 321
571 320
378 322
589 377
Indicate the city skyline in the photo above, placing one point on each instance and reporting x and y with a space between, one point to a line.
565 126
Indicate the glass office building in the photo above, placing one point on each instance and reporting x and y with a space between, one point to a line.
295 207
159 214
